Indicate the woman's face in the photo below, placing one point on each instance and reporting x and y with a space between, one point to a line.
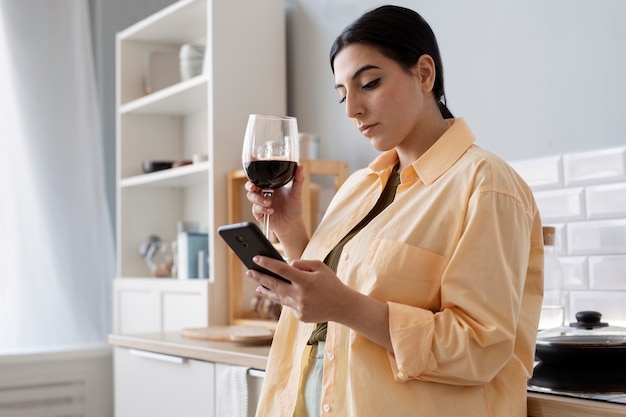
383 100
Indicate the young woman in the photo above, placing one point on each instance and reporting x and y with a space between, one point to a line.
419 294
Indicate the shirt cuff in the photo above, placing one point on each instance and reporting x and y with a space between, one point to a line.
411 330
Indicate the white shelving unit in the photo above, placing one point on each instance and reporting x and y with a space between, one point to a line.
244 72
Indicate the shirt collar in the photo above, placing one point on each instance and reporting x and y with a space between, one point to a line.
437 159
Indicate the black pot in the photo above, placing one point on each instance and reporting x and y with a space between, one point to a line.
586 356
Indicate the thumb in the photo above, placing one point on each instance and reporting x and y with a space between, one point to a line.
307 265
298 180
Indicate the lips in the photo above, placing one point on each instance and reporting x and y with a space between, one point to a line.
367 129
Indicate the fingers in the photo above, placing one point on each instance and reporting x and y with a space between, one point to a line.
298 177
308 265
260 204
269 294
306 295
271 288
288 271
298 180
274 289
279 267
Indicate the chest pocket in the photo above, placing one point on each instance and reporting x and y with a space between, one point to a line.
402 273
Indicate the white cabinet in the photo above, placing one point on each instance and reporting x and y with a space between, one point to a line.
159 305
160 117
155 385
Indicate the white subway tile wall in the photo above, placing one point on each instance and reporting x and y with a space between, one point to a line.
606 201
563 204
575 272
584 196
596 167
607 272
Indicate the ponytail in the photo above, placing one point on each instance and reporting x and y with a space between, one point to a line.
443 108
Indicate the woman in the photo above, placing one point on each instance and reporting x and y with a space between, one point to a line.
419 293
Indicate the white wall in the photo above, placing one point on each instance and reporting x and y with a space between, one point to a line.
583 195
532 77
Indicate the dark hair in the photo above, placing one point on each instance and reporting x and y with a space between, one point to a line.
400 34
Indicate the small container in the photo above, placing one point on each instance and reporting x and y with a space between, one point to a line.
153 166
203 264
191 58
309 145
553 305
199 157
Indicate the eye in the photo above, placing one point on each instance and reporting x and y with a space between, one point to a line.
371 85
368 86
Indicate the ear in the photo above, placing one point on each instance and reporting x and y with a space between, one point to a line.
425 71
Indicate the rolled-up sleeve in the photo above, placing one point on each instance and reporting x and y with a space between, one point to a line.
473 334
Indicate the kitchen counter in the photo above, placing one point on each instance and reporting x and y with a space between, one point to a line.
539 404
550 405
174 344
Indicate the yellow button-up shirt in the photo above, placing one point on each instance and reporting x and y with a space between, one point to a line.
458 258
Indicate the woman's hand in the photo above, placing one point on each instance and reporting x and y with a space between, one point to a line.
284 206
317 295
285 209
315 292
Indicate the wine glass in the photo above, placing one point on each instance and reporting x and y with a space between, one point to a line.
270 154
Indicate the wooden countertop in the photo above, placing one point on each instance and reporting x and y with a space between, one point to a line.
548 405
539 405
174 344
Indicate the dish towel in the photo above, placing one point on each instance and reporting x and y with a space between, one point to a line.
231 390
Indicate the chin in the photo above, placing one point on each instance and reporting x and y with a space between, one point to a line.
380 146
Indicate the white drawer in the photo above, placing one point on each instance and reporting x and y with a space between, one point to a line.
152 384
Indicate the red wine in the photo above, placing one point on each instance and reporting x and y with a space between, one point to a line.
270 174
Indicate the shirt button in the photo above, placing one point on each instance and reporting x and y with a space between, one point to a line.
401 375
326 408
330 356
344 256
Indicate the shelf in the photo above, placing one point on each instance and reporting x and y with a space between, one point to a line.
184 176
180 22
183 98
181 119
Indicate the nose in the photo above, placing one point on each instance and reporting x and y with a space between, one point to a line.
354 105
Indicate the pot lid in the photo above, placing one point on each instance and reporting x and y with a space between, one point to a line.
588 330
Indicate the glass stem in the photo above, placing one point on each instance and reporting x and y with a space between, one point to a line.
266 217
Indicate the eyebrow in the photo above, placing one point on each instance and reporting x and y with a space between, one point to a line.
358 72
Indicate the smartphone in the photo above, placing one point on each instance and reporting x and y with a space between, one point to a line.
247 241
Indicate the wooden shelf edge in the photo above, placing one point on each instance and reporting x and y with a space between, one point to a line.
270 324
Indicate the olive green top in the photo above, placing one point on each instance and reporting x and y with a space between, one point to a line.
332 259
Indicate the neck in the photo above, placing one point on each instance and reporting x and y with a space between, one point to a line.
429 132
